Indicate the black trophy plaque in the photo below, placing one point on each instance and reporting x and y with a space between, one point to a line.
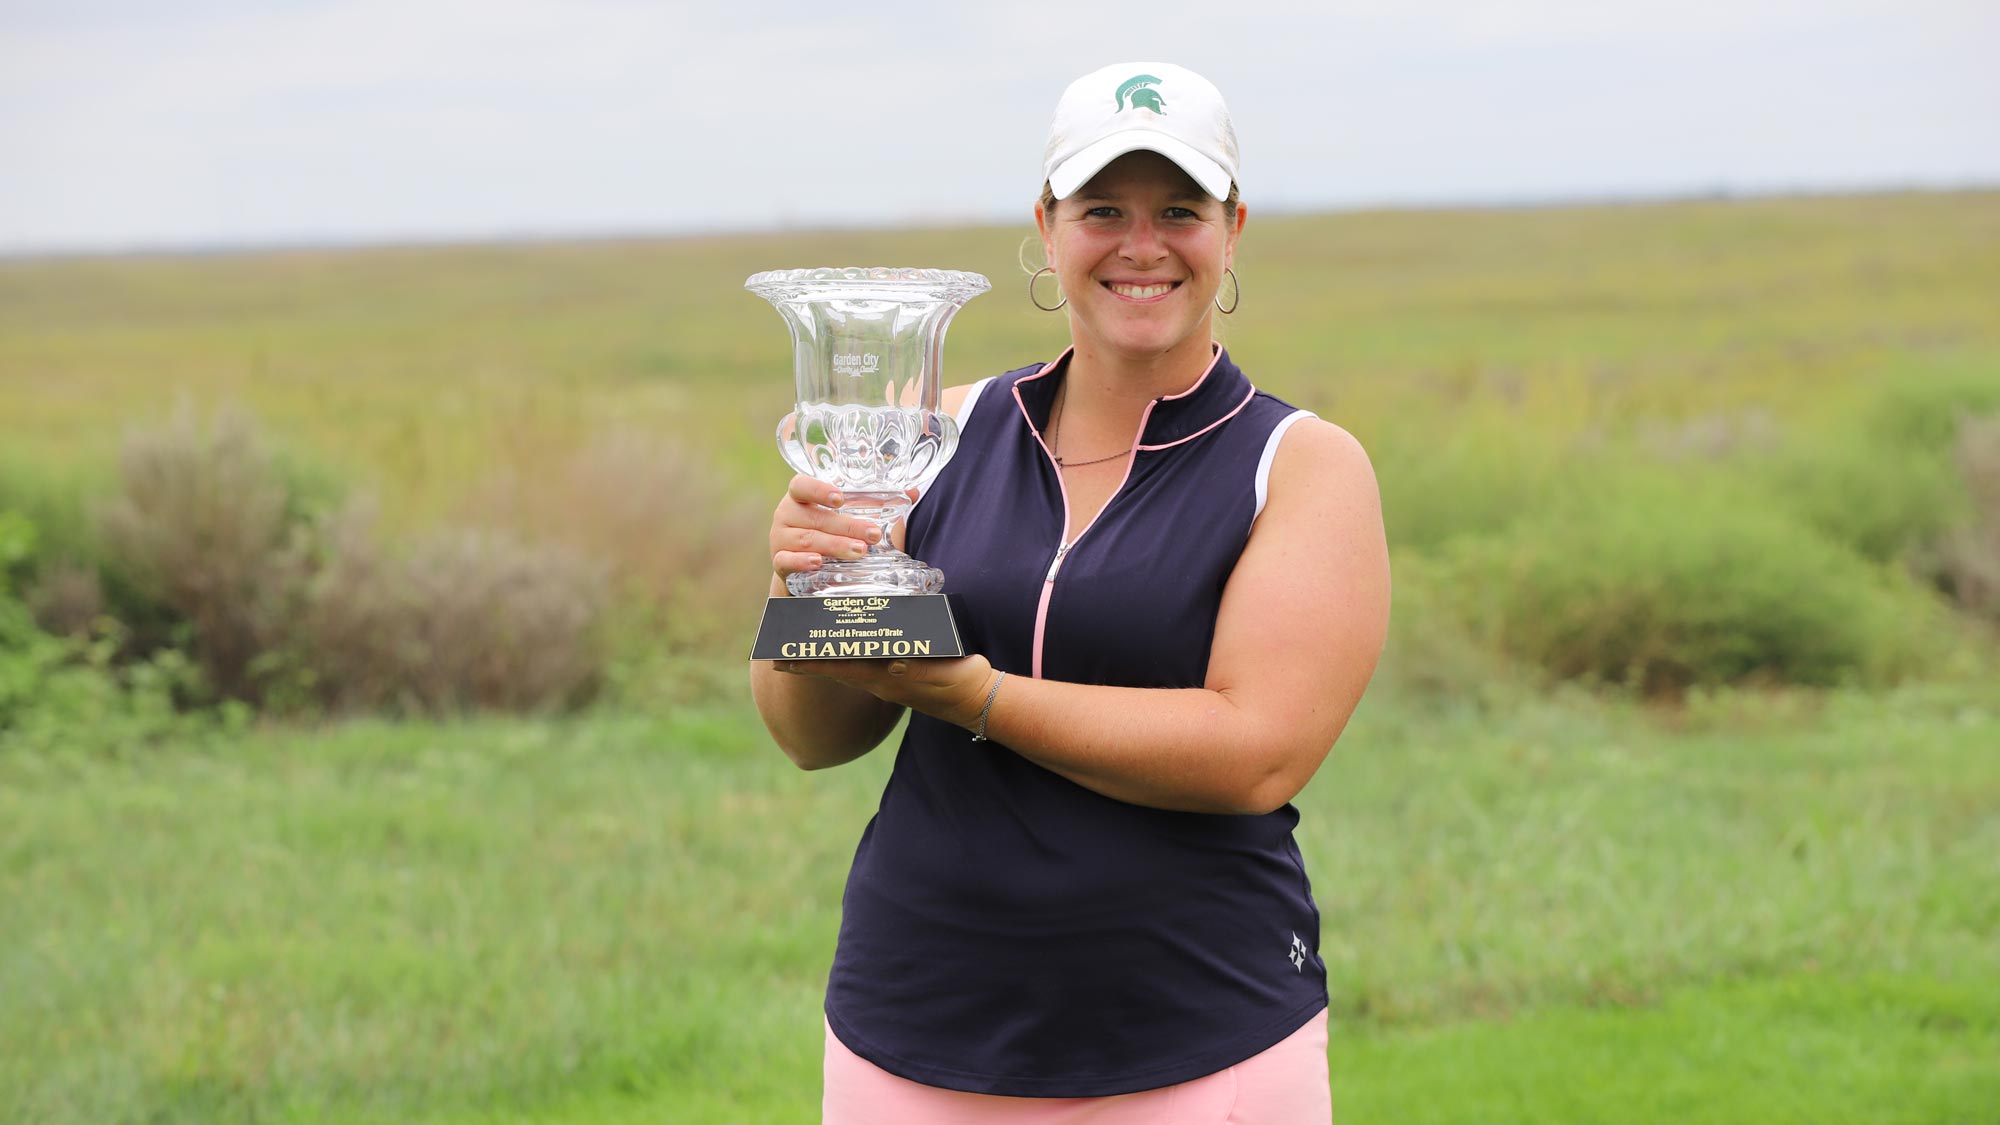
858 627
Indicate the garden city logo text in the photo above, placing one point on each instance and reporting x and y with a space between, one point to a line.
849 363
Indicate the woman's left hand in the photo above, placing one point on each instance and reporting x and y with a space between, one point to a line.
952 690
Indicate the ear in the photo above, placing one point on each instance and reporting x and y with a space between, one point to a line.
1235 232
1048 243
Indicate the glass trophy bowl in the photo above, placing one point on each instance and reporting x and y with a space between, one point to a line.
867 345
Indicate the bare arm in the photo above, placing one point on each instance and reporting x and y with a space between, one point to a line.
818 722
1300 629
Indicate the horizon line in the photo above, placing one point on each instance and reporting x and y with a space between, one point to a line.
583 235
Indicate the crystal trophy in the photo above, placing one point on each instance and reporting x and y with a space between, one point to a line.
867 350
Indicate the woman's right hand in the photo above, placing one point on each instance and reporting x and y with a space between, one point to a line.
817 722
807 529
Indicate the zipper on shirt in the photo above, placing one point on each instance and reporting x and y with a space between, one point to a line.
1042 607
1063 546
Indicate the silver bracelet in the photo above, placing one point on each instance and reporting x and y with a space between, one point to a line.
980 734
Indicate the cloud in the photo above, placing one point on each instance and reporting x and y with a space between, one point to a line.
219 120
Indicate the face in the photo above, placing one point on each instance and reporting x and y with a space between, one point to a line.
1140 249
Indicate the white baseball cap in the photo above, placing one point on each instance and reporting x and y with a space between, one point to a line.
1141 105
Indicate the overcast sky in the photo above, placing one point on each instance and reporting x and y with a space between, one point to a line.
221 122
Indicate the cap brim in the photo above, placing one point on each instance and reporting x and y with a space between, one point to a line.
1073 173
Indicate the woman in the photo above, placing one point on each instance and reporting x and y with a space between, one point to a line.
1080 899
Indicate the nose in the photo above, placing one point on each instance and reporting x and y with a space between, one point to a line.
1143 246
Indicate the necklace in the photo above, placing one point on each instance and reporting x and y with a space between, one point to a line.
1055 421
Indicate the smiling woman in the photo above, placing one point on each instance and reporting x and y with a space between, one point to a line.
1081 898
1140 251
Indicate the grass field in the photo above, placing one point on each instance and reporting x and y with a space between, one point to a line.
1754 904
1562 913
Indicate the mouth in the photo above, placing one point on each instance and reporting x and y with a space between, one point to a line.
1141 293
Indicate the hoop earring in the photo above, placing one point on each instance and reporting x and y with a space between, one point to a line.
1031 291
1233 305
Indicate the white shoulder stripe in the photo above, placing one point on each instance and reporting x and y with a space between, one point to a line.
971 399
959 416
1271 454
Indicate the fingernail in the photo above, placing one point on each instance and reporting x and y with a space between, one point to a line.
898 667
872 534
835 500
858 549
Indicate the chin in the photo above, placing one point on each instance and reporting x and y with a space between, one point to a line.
1150 341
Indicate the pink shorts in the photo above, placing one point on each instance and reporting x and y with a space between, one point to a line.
1283 1085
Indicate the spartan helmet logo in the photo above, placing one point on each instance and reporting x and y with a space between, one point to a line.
1136 89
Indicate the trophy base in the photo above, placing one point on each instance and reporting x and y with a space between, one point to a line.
858 627
882 571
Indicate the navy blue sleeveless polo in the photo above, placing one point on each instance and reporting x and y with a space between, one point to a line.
1005 930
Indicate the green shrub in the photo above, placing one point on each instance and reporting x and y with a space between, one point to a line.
18 539
1924 410
68 693
71 554
1432 656
27 656
1880 477
66 599
51 502
1881 499
1660 584
1466 479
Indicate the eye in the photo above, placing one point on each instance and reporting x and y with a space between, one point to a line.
1102 212
1182 213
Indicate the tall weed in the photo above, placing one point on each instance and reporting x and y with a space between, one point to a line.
681 542
289 604
201 525
460 620
1967 560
